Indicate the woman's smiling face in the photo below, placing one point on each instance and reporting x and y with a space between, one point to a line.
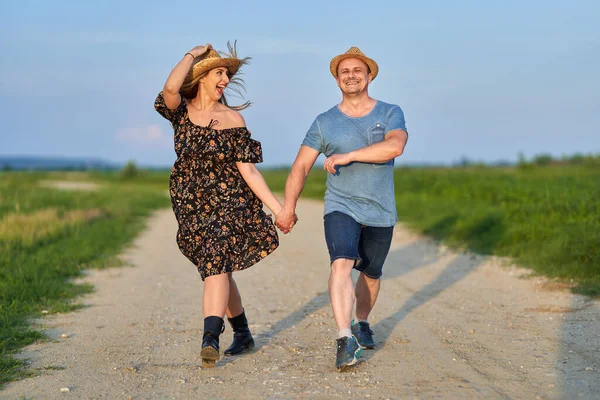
215 82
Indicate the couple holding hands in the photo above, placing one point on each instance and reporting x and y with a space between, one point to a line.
217 193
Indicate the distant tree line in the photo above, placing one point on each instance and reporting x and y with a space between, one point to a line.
545 159
539 160
131 170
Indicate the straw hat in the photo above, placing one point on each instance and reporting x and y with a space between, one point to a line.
210 60
353 52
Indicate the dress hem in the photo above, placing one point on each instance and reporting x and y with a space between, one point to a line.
249 263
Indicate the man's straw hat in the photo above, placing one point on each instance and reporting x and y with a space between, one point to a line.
353 52
210 60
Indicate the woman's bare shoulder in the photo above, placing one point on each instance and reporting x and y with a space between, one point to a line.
231 118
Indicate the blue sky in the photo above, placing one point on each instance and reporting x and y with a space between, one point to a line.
476 79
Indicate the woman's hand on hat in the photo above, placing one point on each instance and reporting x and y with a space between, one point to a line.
199 50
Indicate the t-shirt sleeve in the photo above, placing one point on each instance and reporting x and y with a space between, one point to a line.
314 137
396 119
247 149
173 116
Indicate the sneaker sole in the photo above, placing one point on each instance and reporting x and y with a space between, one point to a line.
357 355
210 356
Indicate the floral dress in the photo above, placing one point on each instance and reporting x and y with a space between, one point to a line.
222 225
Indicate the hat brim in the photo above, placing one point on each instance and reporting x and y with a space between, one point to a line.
232 65
335 61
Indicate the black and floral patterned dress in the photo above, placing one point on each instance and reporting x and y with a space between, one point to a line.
222 225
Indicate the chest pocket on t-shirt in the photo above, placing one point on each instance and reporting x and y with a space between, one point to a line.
376 133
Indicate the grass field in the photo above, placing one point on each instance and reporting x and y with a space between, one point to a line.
48 236
545 217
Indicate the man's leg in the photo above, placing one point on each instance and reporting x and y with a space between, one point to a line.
374 246
341 292
367 290
342 234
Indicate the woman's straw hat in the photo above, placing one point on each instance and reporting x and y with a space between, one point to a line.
214 59
353 52
210 60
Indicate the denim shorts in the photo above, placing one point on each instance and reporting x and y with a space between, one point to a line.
348 239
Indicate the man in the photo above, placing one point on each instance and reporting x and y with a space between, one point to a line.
360 137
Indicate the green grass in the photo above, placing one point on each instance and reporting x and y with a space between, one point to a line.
545 218
48 236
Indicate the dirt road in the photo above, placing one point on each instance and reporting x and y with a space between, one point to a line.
449 326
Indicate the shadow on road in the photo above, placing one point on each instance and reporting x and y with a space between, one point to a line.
398 263
406 260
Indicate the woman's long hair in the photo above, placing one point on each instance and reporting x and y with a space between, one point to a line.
189 89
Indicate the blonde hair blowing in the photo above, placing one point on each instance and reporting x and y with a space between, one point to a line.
189 89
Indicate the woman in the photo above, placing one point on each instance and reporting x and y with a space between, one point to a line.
217 193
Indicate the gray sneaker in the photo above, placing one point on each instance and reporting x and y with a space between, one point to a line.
364 334
348 352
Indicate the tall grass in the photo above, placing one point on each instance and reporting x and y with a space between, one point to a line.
48 236
545 218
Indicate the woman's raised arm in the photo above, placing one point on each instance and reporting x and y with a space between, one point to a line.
177 76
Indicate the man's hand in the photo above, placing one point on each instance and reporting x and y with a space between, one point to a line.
335 160
286 220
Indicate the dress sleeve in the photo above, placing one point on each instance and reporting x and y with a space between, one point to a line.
246 149
174 116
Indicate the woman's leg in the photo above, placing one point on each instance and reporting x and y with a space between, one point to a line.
234 304
216 295
242 338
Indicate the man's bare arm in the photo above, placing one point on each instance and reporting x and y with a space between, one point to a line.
294 184
388 149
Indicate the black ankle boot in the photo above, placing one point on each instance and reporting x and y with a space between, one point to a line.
242 338
213 327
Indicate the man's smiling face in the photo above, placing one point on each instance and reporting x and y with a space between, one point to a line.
353 76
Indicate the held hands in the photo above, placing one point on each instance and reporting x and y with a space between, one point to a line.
335 160
286 220
199 50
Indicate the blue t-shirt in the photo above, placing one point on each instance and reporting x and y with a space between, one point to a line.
364 191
